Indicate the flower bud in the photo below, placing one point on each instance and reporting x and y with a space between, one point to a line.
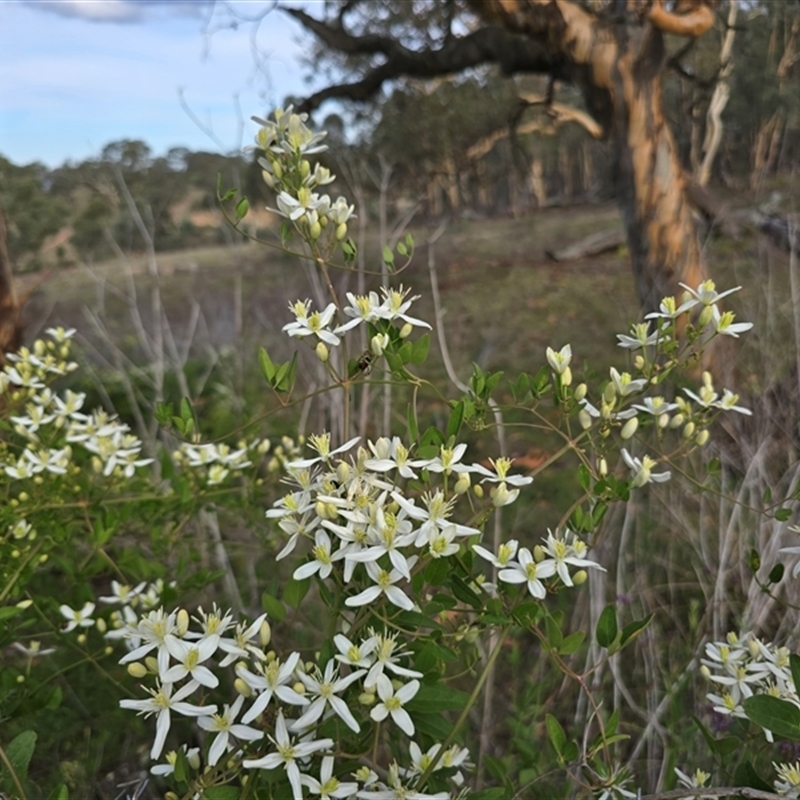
137 669
663 420
378 343
343 472
405 331
566 376
610 392
341 231
20 679
193 757
82 638
702 437
629 428
151 662
182 622
602 467
315 230
688 431
579 578
580 392
500 495
305 168
538 553
171 796
366 698
705 671
705 316
264 633
585 419
463 483
677 421
108 650
322 351
638 362
101 625
477 490
299 687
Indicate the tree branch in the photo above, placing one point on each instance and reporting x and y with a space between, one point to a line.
491 44
697 21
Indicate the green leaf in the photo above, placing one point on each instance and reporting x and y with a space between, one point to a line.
267 367
571 643
584 477
753 560
776 715
413 620
242 207
273 607
776 573
436 572
388 257
633 629
19 753
295 592
6 612
495 793
464 592
419 352
746 775
556 734
455 419
554 635
433 698
59 793
221 793
433 725
782 514
606 630
794 663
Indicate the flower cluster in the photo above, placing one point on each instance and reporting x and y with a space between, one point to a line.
364 682
215 462
286 141
745 666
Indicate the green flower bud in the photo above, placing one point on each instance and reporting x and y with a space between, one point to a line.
705 316
688 431
322 352
182 622
305 168
602 467
538 553
462 484
264 633
702 437
579 578
341 231
585 419
366 698
663 420
151 662
677 421
580 392
610 392
405 331
315 230
566 376
101 625
477 490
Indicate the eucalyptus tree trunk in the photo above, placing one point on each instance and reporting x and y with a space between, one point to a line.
10 322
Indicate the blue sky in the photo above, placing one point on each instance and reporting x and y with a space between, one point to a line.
78 74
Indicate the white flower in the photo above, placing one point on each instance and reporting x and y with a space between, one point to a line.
386 658
641 337
624 384
384 584
322 444
327 786
161 703
392 454
788 781
309 322
363 308
191 656
505 553
287 755
395 305
564 553
272 681
33 649
696 781
123 594
559 361
656 406
192 756
77 619
322 561
668 309
392 703
706 293
224 726
724 323
326 688
530 572
155 630
728 403
359 656
239 646
642 470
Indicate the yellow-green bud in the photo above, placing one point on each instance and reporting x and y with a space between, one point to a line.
477 490
20 679
151 662
629 428
610 392
405 331
705 671
24 497
677 421
663 420
23 604
366 698
566 376
688 431
579 578
462 484
268 179
602 467
82 638
137 669
341 231
702 437
705 316
15 553
299 687
538 553
277 169
182 622
265 633
638 362
108 650
580 392
194 760
315 230
585 419
305 168
101 625
343 472
171 796
322 351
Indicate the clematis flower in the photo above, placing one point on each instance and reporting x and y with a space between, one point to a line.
642 470
224 725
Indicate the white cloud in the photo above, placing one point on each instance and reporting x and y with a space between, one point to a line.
120 11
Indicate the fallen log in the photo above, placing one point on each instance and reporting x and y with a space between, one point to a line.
593 245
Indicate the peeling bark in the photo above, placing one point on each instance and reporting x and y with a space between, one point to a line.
10 322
